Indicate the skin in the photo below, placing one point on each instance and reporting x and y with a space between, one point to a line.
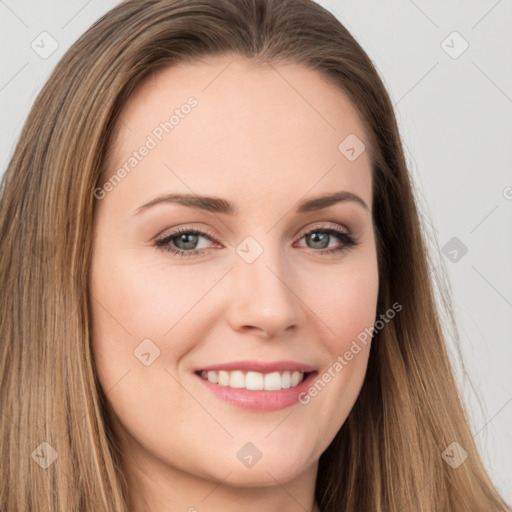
264 138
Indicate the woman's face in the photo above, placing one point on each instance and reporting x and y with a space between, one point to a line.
259 286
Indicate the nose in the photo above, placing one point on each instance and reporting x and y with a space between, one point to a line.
262 299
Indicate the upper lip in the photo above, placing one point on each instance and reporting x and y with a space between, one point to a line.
260 366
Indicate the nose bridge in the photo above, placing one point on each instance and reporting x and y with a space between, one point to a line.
263 296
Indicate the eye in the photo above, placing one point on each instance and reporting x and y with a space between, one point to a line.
183 241
320 237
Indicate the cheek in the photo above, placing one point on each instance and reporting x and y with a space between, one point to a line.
346 304
134 299
348 309
142 307
345 299
137 309
356 311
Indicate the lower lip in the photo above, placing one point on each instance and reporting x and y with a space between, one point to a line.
260 400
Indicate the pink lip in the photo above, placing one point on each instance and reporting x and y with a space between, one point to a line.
259 366
260 400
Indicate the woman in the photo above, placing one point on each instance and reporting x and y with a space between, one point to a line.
216 291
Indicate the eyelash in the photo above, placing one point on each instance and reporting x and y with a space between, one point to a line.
348 241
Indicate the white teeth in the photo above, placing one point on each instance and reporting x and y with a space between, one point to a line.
254 380
296 378
213 377
236 380
272 381
223 378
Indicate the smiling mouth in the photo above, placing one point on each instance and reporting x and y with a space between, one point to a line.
254 381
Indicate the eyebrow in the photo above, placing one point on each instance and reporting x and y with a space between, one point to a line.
218 205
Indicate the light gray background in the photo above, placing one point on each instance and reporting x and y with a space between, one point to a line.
455 114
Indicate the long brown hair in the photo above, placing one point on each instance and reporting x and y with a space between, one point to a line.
387 455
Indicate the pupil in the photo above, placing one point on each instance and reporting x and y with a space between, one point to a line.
184 239
317 237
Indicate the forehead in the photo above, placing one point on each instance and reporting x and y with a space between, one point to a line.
257 126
